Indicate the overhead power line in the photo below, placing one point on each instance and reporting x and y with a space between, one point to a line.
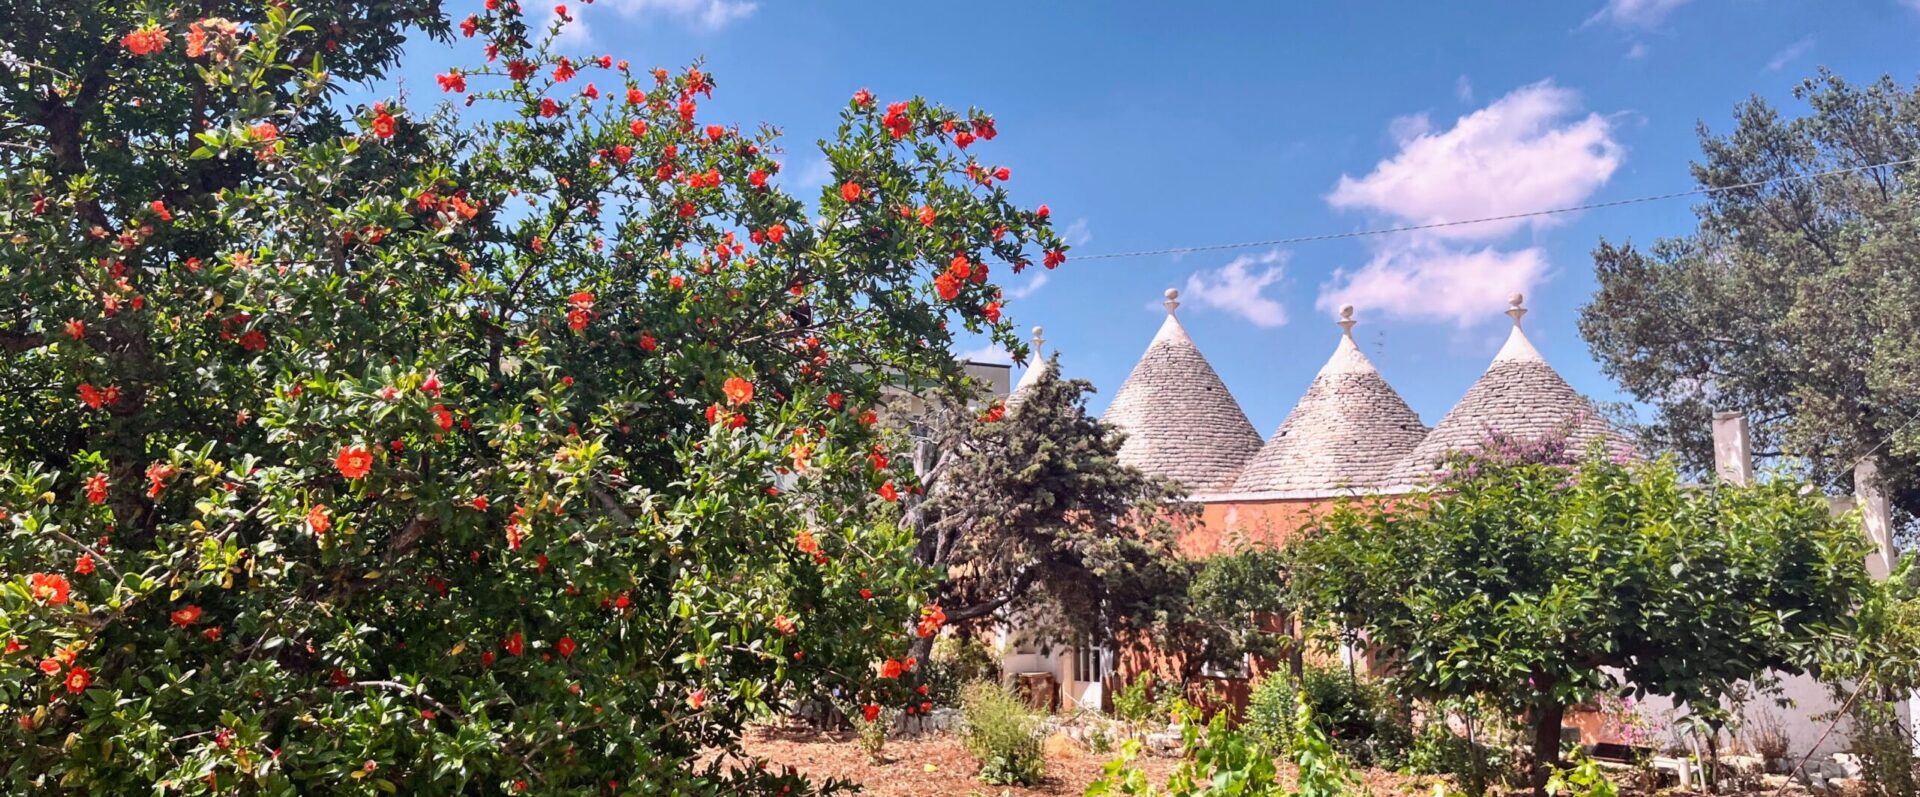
1180 250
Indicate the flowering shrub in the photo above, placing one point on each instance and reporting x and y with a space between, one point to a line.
349 450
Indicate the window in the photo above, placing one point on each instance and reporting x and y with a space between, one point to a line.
1236 671
1091 664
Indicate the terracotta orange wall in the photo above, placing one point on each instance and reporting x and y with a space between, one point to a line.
1225 524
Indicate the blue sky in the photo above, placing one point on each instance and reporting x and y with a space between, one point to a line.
1158 125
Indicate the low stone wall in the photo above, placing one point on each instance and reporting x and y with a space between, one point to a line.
940 720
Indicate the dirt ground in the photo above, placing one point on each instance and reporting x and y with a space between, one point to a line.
937 766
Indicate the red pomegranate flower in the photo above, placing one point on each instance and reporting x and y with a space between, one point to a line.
870 711
850 191
891 669
85 565
516 644
383 125
97 488
566 646
697 699
932 617
888 493
318 520
186 616
48 587
145 41
78 679
947 286
354 462
739 391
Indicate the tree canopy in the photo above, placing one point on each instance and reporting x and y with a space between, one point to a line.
1796 300
1536 577
360 449
1029 515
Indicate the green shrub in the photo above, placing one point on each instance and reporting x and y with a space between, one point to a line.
1270 714
872 735
1366 722
1133 704
1582 778
1220 761
1003 735
1098 741
955 663
1323 770
1437 750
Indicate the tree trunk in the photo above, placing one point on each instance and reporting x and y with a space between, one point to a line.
1477 782
1296 649
1546 744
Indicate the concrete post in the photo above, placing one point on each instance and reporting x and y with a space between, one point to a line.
1876 515
1732 448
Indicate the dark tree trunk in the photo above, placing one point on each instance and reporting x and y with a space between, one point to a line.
1546 744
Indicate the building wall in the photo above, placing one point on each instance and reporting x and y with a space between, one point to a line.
1225 524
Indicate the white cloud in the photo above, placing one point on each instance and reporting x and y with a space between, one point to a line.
1532 149
1636 13
1434 281
1033 285
707 15
1638 51
986 353
1237 288
1911 4
1079 234
573 34
809 177
1527 151
1463 88
701 15
1791 53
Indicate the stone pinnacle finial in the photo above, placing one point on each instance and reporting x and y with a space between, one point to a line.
1038 341
1515 311
1173 300
1346 320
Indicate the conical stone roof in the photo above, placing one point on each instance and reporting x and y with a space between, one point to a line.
1347 433
1181 422
1037 367
1519 395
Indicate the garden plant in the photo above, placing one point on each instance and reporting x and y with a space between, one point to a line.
374 448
